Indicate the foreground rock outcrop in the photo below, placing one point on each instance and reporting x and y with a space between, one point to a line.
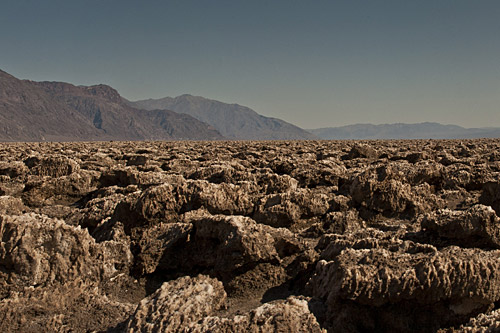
250 236
177 304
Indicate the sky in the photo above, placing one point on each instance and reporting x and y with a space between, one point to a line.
312 63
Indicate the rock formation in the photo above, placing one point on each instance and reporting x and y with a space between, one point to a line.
245 236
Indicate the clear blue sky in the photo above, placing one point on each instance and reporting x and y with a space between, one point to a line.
313 63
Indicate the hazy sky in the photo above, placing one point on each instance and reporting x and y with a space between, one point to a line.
312 63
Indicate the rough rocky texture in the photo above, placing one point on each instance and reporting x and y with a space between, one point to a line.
177 304
189 304
52 166
291 315
65 307
250 236
485 322
477 226
157 242
39 251
11 205
227 244
380 276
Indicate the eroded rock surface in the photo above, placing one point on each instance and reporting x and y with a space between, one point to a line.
37 250
478 226
250 236
290 315
177 304
485 322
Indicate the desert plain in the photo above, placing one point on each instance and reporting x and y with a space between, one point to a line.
250 236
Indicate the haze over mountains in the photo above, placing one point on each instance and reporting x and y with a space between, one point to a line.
232 120
425 130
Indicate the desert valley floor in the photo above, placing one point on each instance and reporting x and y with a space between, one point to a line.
241 236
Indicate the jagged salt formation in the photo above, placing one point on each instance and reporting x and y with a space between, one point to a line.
249 236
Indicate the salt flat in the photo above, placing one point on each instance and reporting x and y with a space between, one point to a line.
223 236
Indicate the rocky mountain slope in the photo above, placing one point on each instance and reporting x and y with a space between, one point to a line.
292 236
56 111
404 131
231 120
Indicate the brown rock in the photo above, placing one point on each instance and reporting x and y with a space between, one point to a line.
343 222
177 304
96 210
63 190
477 226
286 209
379 191
121 177
53 166
485 322
367 235
13 169
362 151
491 195
11 206
36 250
290 315
68 307
136 160
277 210
455 282
156 242
221 198
227 243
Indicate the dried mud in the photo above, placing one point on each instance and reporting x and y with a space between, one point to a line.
299 236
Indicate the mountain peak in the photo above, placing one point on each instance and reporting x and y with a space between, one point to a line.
105 91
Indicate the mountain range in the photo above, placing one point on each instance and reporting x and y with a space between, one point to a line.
232 120
58 111
425 130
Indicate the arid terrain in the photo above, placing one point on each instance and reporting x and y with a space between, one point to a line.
278 236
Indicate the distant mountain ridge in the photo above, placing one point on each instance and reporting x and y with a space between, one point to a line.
427 130
58 111
231 120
